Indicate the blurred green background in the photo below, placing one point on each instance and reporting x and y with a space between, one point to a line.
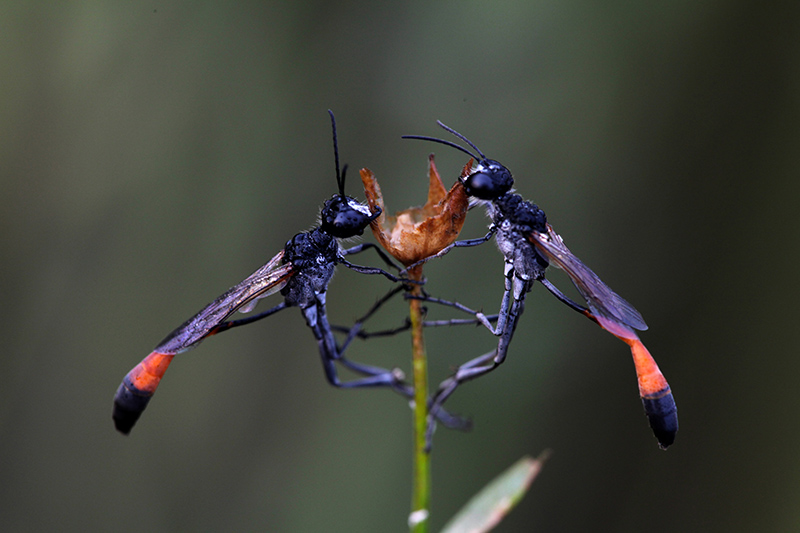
153 154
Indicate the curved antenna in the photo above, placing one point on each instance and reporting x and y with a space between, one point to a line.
442 141
454 132
339 176
448 143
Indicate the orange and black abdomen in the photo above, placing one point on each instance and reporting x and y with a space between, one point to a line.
659 405
137 388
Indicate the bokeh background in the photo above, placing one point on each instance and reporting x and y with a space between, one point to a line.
153 154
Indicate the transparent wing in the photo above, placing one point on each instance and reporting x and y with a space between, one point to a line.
603 302
267 280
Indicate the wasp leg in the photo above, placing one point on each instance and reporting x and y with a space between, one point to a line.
317 320
355 330
374 270
224 326
502 316
487 362
457 244
361 247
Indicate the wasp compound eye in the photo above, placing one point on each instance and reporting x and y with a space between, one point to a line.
490 180
344 217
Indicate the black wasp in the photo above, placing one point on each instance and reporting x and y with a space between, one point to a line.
529 246
301 273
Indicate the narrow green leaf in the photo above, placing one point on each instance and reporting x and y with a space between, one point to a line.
488 507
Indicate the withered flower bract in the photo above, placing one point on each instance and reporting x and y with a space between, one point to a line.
419 232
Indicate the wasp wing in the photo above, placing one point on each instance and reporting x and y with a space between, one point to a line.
609 307
141 383
617 316
267 280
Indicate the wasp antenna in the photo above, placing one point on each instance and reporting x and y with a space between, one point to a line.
339 176
454 132
442 141
341 184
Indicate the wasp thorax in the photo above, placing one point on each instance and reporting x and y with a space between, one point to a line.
521 213
490 180
343 217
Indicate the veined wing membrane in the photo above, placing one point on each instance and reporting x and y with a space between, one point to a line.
267 280
604 303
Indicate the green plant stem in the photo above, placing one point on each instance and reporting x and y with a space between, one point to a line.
421 496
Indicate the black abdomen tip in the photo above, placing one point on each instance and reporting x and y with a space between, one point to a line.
128 407
663 416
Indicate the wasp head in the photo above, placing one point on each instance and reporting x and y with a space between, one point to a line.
488 180
344 217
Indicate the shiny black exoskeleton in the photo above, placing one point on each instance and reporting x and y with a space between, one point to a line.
515 219
315 253
489 180
301 272
344 217
528 245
